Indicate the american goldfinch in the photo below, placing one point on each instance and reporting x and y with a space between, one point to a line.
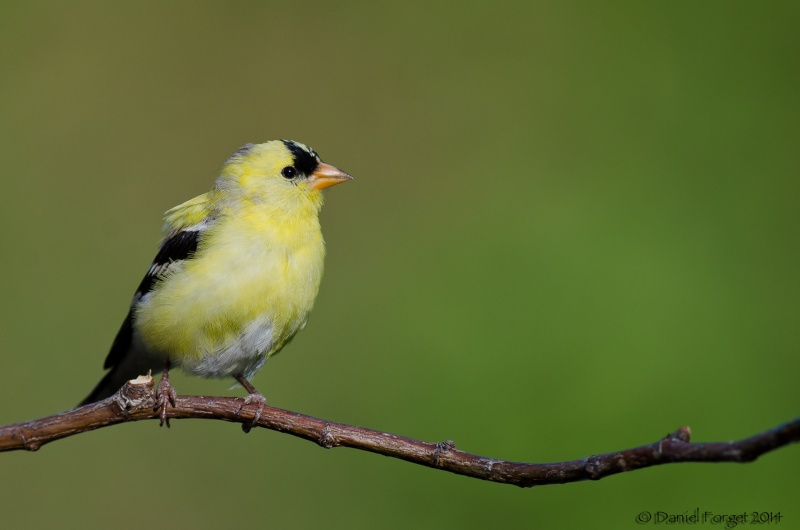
235 277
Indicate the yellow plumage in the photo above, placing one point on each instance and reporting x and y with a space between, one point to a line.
237 274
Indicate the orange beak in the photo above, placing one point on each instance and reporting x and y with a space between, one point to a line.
326 176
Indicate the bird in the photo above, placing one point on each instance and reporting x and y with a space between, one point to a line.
235 276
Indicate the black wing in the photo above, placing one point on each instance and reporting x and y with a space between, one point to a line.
176 247
125 363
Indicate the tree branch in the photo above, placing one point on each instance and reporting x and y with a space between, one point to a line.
136 399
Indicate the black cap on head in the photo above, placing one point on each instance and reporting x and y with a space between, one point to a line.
305 159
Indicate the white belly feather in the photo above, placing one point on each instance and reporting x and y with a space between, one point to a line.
243 356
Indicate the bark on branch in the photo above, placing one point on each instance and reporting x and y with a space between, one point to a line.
136 399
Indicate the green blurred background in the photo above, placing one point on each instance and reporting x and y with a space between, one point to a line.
573 229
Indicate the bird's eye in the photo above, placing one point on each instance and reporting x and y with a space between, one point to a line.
289 172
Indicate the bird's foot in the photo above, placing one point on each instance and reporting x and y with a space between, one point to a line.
165 394
254 396
261 401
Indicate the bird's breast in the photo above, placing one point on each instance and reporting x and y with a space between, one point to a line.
249 282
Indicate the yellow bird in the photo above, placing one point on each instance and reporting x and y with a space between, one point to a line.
235 277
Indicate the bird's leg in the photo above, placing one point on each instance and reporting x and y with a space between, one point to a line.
254 396
165 394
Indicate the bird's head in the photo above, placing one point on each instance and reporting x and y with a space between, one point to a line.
279 174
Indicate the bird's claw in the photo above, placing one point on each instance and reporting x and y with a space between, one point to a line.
165 394
258 398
